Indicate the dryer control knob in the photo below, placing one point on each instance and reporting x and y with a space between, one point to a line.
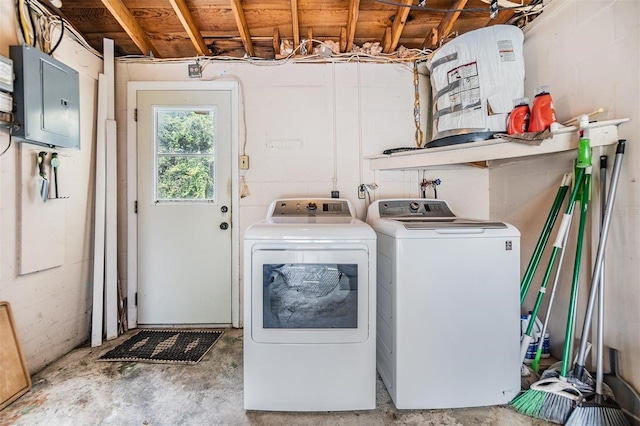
312 207
414 206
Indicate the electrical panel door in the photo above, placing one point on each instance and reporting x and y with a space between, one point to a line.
47 97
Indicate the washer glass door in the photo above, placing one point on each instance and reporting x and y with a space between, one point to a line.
309 296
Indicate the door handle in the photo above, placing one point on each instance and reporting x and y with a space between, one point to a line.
224 225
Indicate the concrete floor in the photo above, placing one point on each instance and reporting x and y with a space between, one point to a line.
79 390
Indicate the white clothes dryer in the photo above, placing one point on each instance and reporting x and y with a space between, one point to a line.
448 312
309 310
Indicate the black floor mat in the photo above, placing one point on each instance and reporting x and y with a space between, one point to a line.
164 346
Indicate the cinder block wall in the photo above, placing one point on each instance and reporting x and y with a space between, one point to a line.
588 53
52 307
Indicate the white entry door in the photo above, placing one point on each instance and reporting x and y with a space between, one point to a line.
184 207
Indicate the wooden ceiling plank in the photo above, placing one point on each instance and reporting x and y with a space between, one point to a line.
241 22
190 26
295 24
352 20
130 25
398 25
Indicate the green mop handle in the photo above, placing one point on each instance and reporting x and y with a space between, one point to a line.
535 366
544 237
564 228
573 298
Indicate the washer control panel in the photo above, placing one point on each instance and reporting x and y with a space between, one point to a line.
420 208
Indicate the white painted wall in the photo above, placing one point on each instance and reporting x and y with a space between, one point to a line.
52 306
588 52
340 113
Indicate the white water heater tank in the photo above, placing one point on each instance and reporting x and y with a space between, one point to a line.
475 79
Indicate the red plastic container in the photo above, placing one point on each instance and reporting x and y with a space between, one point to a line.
518 121
542 113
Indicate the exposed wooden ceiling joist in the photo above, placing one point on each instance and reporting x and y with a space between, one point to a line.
276 41
352 20
181 9
131 26
295 25
183 28
241 22
446 24
398 25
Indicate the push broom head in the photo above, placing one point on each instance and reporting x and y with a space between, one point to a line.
597 410
559 399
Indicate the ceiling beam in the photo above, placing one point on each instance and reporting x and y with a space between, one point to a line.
190 26
276 41
295 24
241 22
352 20
386 40
446 24
309 45
398 25
130 25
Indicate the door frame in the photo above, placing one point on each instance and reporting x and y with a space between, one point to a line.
132 186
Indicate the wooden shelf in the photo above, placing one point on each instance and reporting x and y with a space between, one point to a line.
565 139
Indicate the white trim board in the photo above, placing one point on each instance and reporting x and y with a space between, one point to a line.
132 187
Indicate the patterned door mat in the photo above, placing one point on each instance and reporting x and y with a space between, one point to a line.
164 346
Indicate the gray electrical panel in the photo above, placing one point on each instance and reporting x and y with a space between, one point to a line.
47 99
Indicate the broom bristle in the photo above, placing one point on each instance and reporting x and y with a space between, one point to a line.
556 408
597 416
529 402
597 410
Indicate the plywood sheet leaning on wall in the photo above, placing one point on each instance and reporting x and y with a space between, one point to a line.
14 376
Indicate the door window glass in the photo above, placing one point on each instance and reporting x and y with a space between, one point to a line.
310 295
185 154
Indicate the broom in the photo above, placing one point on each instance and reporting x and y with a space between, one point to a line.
552 399
563 229
578 370
596 409
535 366
544 237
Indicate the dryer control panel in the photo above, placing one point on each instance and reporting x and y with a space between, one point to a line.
312 207
420 208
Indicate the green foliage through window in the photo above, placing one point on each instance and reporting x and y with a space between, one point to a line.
185 155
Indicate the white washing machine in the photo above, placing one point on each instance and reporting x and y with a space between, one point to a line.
309 311
448 307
